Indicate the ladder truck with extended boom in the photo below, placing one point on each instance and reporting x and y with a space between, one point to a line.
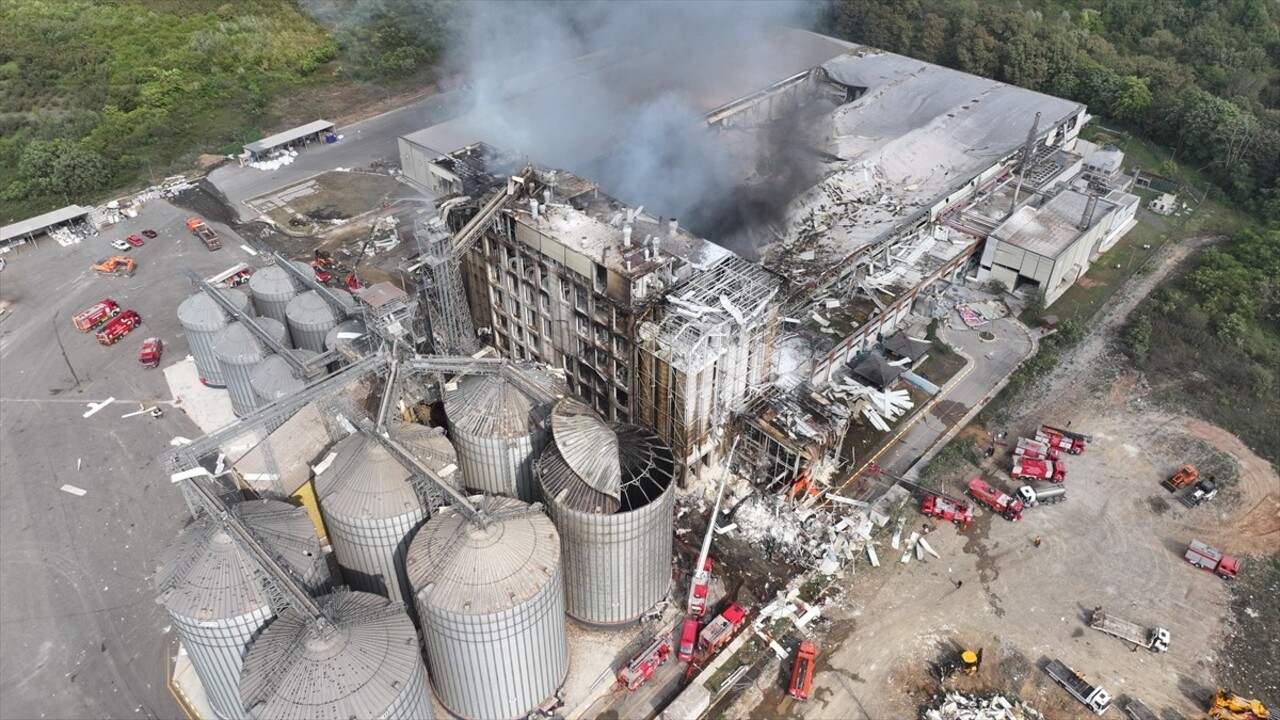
698 588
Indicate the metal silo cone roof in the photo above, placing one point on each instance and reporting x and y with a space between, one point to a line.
201 312
357 665
488 406
428 444
238 345
460 567
588 446
272 281
273 378
648 466
365 481
286 530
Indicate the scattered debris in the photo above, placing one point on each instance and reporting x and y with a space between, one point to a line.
958 706
72 489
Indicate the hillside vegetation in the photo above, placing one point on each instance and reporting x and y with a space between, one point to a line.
1201 77
97 95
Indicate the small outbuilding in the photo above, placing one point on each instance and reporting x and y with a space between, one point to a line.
318 131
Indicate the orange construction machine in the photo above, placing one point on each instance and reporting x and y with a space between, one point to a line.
115 265
1186 475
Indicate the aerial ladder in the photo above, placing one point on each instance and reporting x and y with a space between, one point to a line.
700 585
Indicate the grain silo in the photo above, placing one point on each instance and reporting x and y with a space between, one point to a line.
272 288
490 601
275 377
370 510
350 333
238 351
202 319
207 584
311 318
499 432
431 447
362 661
609 491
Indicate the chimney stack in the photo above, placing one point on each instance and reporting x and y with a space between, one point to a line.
672 227
626 236
533 209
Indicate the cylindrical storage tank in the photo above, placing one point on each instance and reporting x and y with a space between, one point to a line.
491 604
609 492
370 510
274 377
348 333
206 583
238 351
362 663
272 288
499 431
311 318
202 319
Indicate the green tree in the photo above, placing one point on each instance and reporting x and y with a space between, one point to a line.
1130 99
57 167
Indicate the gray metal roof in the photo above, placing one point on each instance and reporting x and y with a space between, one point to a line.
588 446
645 470
310 308
200 312
273 378
462 568
239 346
427 444
40 223
207 576
288 136
365 481
273 280
357 666
350 326
490 406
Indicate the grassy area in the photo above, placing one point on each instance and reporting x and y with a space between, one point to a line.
1248 662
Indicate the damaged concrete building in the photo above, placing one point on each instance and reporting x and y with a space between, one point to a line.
911 170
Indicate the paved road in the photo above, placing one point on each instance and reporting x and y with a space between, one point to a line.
80 633
362 143
991 362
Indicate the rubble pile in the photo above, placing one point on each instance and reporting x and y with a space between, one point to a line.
825 538
958 706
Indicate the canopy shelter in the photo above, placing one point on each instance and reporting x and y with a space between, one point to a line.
877 371
904 346
40 224
305 133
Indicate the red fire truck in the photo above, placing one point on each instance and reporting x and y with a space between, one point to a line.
121 325
94 317
1025 467
960 513
718 632
802 671
1072 442
640 669
1007 507
1036 450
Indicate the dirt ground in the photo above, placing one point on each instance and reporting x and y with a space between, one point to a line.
1117 543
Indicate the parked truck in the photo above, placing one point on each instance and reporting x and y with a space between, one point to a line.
1007 507
94 317
938 506
234 276
121 325
1216 562
718 632
1032 496
1138 710
1093 697
1072 442
802 671
204 233
1024 467
1205 490
1036 450
641 668
1154 639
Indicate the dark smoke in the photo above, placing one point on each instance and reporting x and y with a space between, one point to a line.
631 127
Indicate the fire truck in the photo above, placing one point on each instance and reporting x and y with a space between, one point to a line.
1072 442
234 276
1036 450
641 668
802 671
1007 507
718 632
1025 467
960 513
96 316
121 325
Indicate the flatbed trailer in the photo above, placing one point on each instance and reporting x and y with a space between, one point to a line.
1093 697
1154 639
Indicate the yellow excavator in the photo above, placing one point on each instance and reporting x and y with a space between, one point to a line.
1229 706
115 265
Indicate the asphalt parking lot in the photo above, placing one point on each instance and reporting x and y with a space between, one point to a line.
80 631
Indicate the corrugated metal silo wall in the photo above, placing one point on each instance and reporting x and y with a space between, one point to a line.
371 552
207 366
500 665
239 386
502 466
271 298
415 702
217 649
617 566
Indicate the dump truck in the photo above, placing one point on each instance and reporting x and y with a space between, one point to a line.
1025 467
94 317
1007 507
1036 450
1186 475
718 632
1208 558
1154 639
121 325
641 668
938 506
115 265
1072 442
802 671
1032 496
1093 697
205 233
